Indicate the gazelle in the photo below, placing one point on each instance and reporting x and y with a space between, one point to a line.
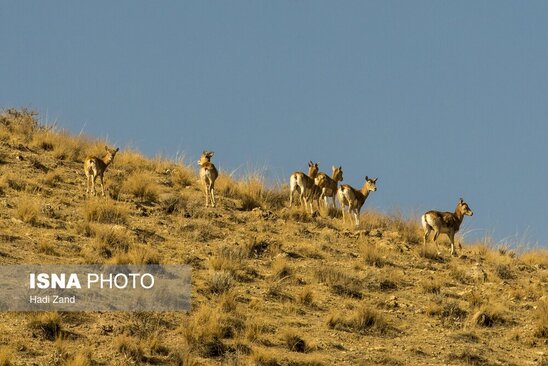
446 223
329 184
95 167
208 175
301 182
354 198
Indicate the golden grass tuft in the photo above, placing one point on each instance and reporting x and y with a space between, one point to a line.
110 240
362 320
79 359
28 211
141 185
280 268
490 315
252 191
105 212
537 257
130 347
372 255
219 281
18 125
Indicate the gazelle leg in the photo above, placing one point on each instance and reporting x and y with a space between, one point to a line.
212 191
452 239
102 186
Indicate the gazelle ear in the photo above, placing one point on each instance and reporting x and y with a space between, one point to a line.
117 149
340 167
366 178
333 168
375 180
461 200
106 147
310 163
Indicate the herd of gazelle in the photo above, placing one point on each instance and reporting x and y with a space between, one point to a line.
314 186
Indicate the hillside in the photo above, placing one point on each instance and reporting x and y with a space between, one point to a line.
271 285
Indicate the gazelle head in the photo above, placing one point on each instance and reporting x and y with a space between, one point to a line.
206 157
463 208
370 184
313 169
110 154
337 173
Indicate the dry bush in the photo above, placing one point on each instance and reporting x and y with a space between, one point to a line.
173 203
105 212
6 356
372 255
490 315
362 320
28 211
141 185
541 313
340 283
130 347
47 248
47 324
110 240
276 291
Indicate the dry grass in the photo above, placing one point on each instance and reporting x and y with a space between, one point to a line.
105 212
340 283
48 325
362 320
6 356
110 240
130 347
141 185
251 191
490 315
537 257
28 211
220 281
372 255
541 315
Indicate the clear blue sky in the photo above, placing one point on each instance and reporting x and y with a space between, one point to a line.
438 99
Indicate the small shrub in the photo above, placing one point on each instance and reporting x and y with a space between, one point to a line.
79 359
362 320
105 212
340 283
469 357
205 331
183 176
52 178
306 296
48 324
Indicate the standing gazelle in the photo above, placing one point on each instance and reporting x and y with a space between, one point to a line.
95 167
354 198
302 183
208 175
329 184
446 223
